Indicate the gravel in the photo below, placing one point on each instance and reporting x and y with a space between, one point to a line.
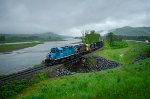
142 57
98 64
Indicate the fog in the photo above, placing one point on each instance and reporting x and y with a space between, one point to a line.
70 17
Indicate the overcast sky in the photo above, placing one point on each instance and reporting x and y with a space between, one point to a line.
70 17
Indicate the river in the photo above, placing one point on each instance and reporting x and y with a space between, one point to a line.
19 60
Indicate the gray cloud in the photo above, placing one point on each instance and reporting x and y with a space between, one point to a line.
70 17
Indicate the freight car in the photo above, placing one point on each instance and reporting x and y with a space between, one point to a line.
61 54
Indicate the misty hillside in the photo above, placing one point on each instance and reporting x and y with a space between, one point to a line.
132 31
40 35
49 36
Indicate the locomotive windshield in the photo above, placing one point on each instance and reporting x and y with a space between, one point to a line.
53 50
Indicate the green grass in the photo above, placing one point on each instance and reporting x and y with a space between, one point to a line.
119 44
129 81
12 47
124 55
11 89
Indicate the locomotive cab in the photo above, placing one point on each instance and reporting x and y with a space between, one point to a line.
56 53
48 56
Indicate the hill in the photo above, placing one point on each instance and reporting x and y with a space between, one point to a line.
40 35
132 31
29 37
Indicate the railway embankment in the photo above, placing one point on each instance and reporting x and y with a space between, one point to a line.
92 64
85 65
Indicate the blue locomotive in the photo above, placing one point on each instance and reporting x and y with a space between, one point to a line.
62 54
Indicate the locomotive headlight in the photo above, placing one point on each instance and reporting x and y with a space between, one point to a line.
48 56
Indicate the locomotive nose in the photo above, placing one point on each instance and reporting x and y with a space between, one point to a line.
48 56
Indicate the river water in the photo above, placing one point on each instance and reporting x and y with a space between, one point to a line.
25 58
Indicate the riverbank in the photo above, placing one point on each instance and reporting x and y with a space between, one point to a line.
13 47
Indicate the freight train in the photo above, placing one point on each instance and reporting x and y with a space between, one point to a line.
60 55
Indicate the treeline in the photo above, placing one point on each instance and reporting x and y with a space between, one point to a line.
138 38
114 41
92 36
110 40
3 38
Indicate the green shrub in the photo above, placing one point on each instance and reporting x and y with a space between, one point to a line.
106 45
42 76
91 60
115 44
10 89
119 44
35 96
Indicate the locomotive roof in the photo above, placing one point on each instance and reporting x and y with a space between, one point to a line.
57 48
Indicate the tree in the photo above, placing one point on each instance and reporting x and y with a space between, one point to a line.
110 38
2 38
49 37
118 37
91 37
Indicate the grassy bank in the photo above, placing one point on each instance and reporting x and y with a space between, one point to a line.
124 55
12 47
128 81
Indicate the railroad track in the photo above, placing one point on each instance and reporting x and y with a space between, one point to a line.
18 75
29 72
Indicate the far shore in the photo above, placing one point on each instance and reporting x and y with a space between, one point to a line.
8 47
13 47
